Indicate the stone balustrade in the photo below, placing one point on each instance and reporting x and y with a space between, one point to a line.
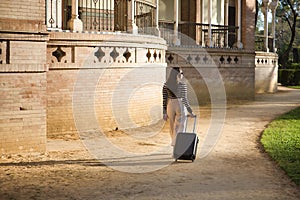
266 72
209 69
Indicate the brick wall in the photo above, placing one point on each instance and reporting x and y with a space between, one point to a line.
60 86
109 98
22 112
238 84
103 85
129 97
22 76
23 9
23 15
27 52
23 96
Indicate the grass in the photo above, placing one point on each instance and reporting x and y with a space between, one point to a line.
295 87
281 140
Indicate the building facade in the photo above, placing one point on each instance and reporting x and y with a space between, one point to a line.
80 65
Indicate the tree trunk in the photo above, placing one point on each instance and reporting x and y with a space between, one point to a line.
285 56
256 12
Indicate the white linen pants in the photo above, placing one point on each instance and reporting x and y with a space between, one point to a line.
176 112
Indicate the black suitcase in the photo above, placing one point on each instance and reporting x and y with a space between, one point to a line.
186 144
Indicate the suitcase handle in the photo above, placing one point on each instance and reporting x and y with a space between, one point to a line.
186 122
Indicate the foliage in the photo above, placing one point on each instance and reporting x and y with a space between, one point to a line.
295 87
259 19
282 141
287 14
289 77
295 66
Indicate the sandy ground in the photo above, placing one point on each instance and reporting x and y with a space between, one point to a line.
236 168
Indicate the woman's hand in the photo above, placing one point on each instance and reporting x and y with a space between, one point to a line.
165 117
192 115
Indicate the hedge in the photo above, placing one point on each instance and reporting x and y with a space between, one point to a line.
289 77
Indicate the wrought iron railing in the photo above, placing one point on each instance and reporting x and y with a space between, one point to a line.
53 15
190 33
145 16
97 15
115 15
102 15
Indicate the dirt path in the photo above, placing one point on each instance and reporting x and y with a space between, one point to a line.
235 169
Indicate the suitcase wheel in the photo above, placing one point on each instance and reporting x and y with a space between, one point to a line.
193 158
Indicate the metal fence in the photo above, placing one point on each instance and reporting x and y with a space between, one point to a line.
116 15
97 15
101 15
145 16
190 33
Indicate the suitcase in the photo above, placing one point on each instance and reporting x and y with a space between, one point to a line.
186 144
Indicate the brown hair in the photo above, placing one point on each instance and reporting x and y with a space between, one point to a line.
172 79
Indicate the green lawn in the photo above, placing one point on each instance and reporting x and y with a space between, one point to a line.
295 87
282 141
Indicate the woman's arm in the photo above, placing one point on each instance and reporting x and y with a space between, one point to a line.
182 90
165 98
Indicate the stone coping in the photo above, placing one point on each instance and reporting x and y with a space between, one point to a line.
82 38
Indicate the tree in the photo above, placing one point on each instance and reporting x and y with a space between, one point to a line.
288 11
259 24
256 13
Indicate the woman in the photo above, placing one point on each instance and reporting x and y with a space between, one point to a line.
175 102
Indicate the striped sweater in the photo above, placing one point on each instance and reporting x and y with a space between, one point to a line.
180 93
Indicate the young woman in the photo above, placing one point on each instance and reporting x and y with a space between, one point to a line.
175 102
